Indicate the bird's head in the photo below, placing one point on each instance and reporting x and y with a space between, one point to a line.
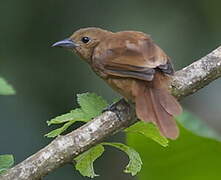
83 41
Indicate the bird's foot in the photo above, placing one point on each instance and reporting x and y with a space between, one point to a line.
116 107
113 106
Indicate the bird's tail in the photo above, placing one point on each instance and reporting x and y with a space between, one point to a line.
155 104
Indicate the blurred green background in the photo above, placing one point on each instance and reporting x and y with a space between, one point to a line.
47 79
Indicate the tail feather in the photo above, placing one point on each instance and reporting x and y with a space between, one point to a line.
159 107
144 108
168 102
164 120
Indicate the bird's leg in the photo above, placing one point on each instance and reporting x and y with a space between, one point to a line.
118 107
113 106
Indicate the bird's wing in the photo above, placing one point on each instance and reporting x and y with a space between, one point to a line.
133 55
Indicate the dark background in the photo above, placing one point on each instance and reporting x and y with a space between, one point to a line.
48 79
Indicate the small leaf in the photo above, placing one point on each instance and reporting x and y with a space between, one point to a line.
84 162
60 130
6 161
135 162
148 130
197 126
76 114
91 104
5 88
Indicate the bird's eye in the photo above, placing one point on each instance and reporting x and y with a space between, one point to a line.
85 39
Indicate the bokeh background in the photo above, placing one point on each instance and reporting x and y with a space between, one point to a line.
48 79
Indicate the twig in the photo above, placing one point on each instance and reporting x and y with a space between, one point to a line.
64 148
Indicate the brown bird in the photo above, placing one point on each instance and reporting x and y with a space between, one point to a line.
133 65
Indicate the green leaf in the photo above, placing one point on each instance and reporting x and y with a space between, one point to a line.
60 130
91 104
5 88
197 126
84 162
190 157
76 114
6 161
135 162
148 130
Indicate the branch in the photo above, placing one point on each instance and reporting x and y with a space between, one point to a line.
197 75
63 149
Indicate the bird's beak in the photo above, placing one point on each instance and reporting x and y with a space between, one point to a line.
66 43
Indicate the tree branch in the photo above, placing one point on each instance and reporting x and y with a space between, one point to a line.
63 149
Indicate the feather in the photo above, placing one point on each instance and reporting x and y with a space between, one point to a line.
144 108
149 108
168 102
164 120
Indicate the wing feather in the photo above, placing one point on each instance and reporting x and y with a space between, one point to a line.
132 54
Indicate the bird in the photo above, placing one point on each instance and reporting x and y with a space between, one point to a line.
134 66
